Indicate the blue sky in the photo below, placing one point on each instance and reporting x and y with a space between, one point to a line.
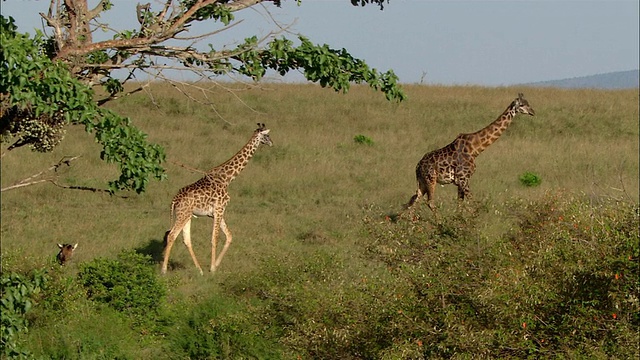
490 43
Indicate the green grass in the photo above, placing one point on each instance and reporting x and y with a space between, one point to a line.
315 270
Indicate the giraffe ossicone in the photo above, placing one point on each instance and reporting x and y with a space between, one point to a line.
209 197
455 163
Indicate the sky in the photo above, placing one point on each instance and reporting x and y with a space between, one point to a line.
447 42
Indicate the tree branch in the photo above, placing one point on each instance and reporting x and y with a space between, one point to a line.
86 188
93 13
31 179
188 167
241 4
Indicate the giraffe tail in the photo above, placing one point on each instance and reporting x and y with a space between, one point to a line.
411 201
166 236
171 215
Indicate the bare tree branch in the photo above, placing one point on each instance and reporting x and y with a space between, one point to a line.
33 179
85 188
188 167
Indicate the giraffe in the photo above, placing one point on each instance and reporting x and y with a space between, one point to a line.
66 251
455 163
208 197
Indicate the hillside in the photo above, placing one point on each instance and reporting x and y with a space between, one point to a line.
541 262
613 80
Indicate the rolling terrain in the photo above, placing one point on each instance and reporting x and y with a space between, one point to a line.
321 265
611 81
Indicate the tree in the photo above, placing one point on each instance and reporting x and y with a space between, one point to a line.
48 82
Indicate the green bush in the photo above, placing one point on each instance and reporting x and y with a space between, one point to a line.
530 179
65 324
224 329
362 139
16 300
128 283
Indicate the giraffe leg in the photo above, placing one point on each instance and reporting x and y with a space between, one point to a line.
463 174
170 238
463 189
464 193
227 235
186 238
214 240
430 190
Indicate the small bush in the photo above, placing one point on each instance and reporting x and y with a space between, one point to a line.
69 324
362 139
223 329
16 293
530 179
128 283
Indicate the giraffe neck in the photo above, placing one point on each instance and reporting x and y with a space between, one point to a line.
481 139
232 167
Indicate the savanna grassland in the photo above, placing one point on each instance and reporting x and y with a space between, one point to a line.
320 266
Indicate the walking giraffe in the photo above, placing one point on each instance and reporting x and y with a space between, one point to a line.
455 163
208 197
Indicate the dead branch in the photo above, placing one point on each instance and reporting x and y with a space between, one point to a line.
84 188
16 186
35 179
188 167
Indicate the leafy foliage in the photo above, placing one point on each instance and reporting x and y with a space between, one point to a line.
127 146
220 329
530 179
363 139
16 300
329 67
41 97
365 2
213 11
128 283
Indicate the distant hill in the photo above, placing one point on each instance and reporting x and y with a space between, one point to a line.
613 80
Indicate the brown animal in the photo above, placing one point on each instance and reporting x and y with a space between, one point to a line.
208 197
455 163
66 252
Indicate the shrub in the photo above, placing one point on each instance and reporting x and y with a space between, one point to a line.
128 283
16 293
362 139
561 283
224 329
530 179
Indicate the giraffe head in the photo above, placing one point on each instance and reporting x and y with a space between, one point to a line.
66 251
521 105
263 134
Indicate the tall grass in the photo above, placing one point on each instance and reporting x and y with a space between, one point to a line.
315 270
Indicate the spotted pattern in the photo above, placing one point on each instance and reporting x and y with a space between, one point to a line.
455 163
209 197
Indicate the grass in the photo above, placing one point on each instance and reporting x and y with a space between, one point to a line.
315 270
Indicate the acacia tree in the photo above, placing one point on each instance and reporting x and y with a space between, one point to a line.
49 81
